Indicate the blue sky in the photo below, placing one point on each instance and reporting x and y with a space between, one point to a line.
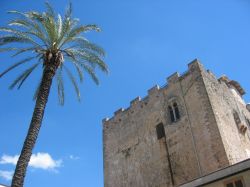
145 42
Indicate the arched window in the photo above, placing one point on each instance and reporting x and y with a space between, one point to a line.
171 112
174 112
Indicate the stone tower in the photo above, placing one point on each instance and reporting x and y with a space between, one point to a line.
194 125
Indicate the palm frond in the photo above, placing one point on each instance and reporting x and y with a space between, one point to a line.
59 26
23 50
47 23
14 32
60 86
88 57
32 27
68 12
37 90
67 24
4 40
73 81
21 78
33 15
93 60
21 23
16 65
50 26
91 27
50 9
91 72
78 68
17 13
78 30
82 43
8 49
21 35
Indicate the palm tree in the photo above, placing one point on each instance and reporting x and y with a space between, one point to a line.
54 42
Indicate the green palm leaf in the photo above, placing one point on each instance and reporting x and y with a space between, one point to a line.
4 40
21 78
83 43
8 49
16 65
73 81
91 72
78 69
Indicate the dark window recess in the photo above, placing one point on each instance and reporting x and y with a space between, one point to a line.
230 184
248 122
237 118
160 131
238 183
176 110
171 112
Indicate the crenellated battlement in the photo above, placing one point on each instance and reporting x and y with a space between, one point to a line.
153 90
135 101
172 79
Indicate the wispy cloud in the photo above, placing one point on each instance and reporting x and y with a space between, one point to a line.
6 159
72 157
7 175
39 161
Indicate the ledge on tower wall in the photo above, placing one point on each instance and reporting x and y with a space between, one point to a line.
232 83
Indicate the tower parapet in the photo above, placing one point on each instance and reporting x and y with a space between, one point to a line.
172 79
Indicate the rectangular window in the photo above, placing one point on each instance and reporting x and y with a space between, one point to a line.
230 184
237 182
248 122
160 131
237 118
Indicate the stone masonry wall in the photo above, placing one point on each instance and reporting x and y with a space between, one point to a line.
225 101
195 145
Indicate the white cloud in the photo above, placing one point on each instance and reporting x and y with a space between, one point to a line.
6 159
7 175
39 161
44 161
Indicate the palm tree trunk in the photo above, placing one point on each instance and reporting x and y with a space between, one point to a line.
35 125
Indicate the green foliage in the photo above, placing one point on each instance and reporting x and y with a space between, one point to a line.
46 32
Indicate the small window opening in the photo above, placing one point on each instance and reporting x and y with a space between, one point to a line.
235 183
248 122
230 184
238 183
171 112
237 118
176 111
160 131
